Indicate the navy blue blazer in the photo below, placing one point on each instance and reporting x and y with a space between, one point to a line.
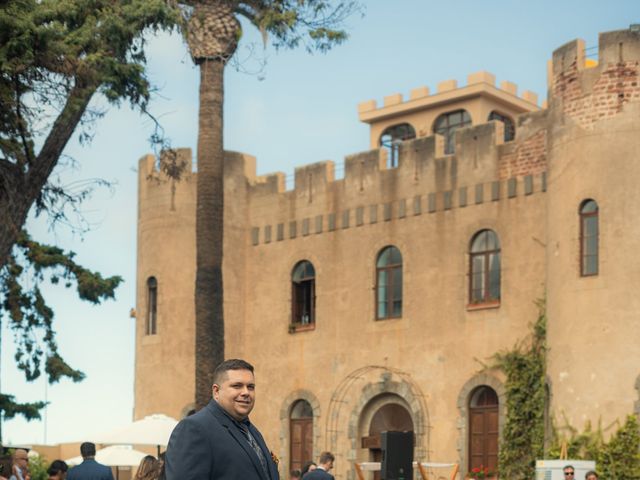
318 474
89 469
209 446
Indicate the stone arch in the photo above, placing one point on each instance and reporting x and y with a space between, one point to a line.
285 412
377 394
463 409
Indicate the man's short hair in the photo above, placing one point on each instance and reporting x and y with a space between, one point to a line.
220 373
88 449
326 457
568 466
57 466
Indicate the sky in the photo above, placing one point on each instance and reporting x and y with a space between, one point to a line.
287 108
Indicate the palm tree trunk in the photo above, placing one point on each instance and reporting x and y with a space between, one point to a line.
209 346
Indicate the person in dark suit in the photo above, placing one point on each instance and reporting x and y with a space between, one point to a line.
219 442
89 469
322 470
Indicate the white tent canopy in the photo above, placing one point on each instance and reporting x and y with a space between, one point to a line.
152 430
114 456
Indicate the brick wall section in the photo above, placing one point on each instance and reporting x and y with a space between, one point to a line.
618 84
528 158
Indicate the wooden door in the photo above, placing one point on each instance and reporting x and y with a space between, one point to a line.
483 429
301 442
300 435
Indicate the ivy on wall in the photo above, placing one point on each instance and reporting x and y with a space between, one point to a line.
619 458
523 439
523 434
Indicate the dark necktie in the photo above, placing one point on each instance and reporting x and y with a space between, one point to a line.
256 448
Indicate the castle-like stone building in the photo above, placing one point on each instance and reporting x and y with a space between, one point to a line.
370 302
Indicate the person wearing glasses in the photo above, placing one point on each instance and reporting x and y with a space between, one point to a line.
20 469
569 472
591 475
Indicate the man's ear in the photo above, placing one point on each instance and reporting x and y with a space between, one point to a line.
215 390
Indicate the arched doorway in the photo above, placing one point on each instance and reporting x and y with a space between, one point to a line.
389 417
483 428
301 434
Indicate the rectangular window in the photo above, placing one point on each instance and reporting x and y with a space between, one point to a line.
152 310
589 244
382 294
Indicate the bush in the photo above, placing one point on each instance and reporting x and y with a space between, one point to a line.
38 467
620 457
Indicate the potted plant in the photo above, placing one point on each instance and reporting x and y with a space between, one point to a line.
482 472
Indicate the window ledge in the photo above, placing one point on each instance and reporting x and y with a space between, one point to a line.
298 327
483 306
398 317
150 339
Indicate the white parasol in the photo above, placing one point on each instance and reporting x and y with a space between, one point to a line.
151 430
114 456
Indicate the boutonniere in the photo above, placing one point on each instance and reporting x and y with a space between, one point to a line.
275 458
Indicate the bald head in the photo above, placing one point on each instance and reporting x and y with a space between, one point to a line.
20 458
20 453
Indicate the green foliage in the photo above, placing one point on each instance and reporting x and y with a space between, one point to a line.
585 445
620 457
30 319
523 435
55 55
314 24
10 408
38 466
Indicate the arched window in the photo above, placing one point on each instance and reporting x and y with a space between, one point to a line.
588 238
446 125
151 327
300 434
484 276
509 126
303 294
389 283
483 428
391 139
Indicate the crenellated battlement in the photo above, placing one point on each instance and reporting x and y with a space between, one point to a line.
420 98
483 169
589 91
479 150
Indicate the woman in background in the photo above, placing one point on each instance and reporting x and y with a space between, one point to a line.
149 468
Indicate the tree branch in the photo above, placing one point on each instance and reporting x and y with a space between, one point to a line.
61 131
28 157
